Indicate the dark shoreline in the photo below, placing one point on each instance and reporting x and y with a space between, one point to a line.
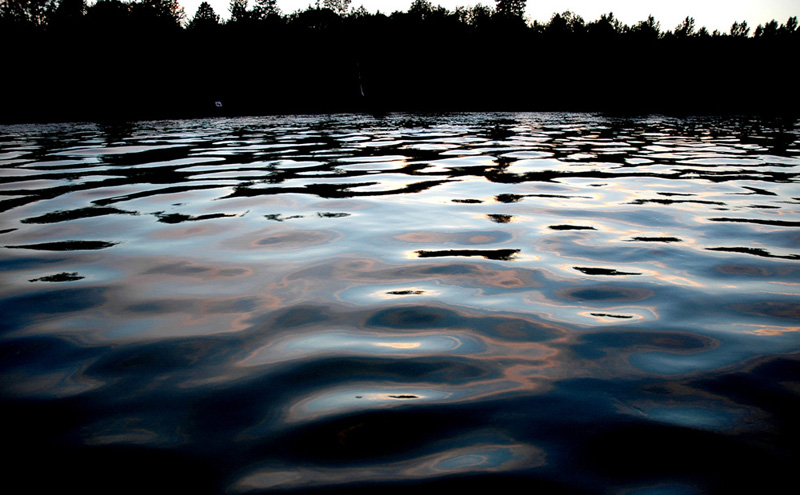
116 61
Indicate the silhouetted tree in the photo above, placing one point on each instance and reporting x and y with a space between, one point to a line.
685 28
420 9
239 12
265 9
339 7
564 24
772 29
649 29
33 13
788 29
740 30
316 20
477 16
204 18
158 13
605 28
360 11
511 8
791 25
767 31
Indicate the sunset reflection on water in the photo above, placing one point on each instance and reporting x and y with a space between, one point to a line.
335 302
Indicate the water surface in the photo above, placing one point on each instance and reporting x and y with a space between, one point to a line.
288 304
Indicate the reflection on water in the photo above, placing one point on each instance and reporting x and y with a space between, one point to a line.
585 304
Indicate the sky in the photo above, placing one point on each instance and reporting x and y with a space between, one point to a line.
713 14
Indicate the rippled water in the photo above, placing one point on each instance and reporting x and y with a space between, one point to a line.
577 303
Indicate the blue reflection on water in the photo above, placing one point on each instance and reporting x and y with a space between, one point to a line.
586 303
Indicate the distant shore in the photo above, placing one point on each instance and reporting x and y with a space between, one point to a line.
130 61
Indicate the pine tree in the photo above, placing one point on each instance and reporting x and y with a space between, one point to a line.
204 18
740 30
685 28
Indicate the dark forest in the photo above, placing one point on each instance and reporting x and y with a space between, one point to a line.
116 60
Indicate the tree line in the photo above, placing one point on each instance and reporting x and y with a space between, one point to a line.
26 15
67 59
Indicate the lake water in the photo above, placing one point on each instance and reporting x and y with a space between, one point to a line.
577 303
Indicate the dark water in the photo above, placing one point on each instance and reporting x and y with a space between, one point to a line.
554 303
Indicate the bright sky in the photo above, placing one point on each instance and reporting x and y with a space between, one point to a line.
713 14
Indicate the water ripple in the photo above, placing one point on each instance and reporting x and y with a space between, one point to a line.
341 302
